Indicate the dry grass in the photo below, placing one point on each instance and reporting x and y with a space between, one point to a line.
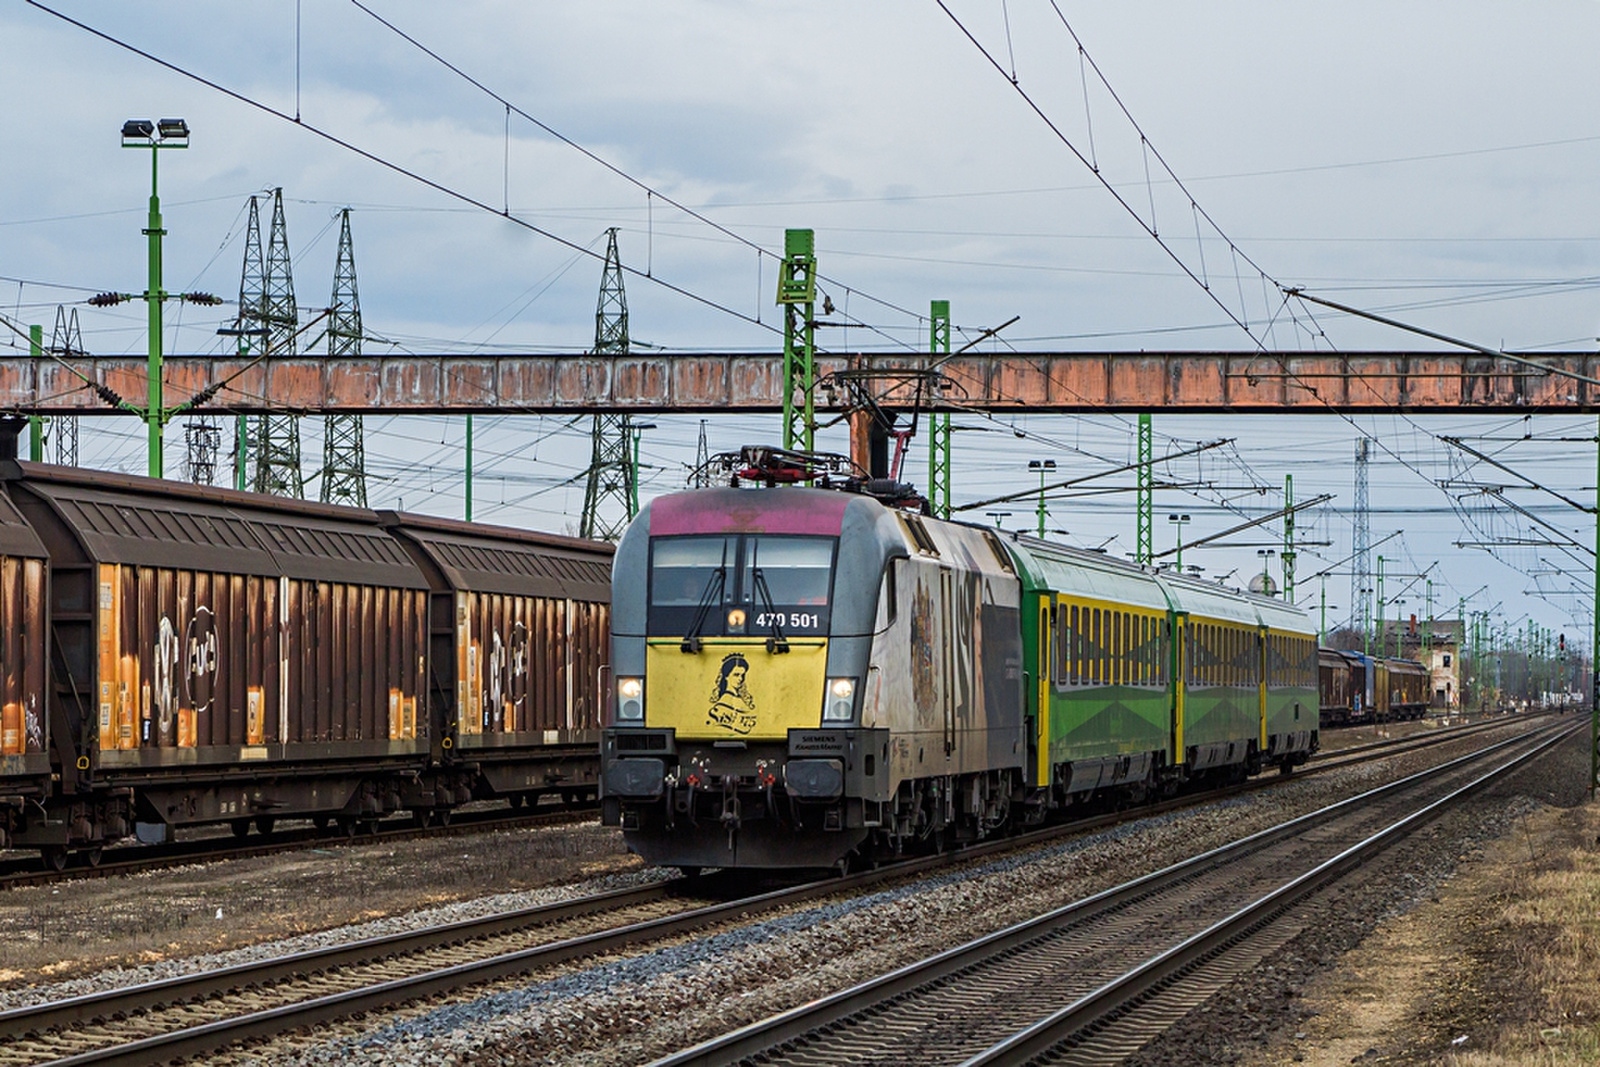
1545 938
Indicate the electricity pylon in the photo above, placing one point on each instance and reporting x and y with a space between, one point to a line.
66 341
1361 544
613 476
700 475
344 457
276 437
202 439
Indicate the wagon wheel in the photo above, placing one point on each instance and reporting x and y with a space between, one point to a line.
92 856
264 824
422 818
241 827
55 857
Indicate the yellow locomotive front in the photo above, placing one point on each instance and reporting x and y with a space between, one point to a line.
741 638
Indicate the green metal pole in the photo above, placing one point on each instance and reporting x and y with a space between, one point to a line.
1288 555
797 294
36 422
1427 638
1041 508
1180 548
469 468
241 448
1322 628
1383 637
939 422
633 482
1144 517
154 415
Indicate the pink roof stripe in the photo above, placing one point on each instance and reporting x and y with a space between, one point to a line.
791 511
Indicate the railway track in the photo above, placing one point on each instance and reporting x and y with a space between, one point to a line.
129 859
1092 981
197 1014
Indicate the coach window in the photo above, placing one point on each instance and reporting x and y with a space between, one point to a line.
1103 646
1114 643
1102 638
1161 652
1107 642
1135 651
1142 635
1118 675
1119 657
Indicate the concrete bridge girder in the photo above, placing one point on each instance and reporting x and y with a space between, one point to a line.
1423 382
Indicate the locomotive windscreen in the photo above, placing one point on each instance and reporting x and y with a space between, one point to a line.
734 585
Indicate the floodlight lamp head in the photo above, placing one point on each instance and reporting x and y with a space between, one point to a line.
138 130
173 129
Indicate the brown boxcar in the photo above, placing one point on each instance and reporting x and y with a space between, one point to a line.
1333 677
227 657
1408 689
24 740
519 636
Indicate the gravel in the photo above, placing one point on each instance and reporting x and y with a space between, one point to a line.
631 1009
119 977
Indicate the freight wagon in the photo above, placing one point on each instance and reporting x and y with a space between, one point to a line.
1357 688
180 656
806 675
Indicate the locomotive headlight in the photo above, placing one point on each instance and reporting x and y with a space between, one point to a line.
736 619
630 699
840 702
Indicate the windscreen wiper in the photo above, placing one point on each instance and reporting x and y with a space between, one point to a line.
712 593
777 642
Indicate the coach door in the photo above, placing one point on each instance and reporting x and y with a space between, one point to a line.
1264 666
1182 639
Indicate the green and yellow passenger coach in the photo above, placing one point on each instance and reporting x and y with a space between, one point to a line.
1143 680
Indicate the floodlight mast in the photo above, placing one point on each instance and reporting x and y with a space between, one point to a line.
143 133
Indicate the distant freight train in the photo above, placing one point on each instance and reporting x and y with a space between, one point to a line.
173 656
806 675
1357 688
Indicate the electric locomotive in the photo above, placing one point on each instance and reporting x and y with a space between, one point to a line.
804 675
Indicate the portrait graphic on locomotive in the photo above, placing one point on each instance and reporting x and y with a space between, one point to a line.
881 681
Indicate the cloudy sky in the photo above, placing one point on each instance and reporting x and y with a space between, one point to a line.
1429 160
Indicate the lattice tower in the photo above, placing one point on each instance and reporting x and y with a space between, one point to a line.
202 438
1361 543
700 476
610 495
66 341
344 457
276 438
